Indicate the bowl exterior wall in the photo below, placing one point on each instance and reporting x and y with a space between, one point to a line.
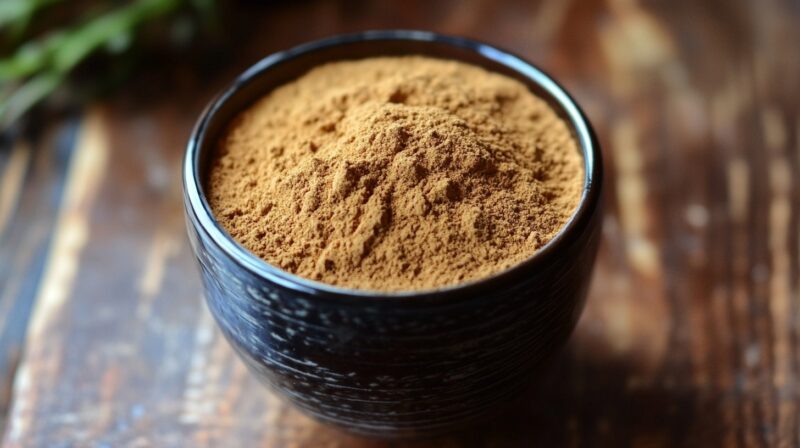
397 369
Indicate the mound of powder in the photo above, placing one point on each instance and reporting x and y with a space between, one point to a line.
396 173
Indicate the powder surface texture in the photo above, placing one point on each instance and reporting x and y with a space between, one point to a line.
396 173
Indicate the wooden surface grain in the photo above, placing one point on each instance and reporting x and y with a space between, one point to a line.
691 336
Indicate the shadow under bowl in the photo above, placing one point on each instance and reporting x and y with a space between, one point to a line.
415 363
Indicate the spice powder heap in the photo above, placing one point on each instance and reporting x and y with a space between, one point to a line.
396 173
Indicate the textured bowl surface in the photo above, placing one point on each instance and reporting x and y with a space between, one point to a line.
392 364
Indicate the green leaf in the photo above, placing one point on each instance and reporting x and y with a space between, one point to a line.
30 58
83 41
17 14
26 96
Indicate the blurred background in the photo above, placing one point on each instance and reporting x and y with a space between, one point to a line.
691 336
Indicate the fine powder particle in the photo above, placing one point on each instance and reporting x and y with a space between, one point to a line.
396 173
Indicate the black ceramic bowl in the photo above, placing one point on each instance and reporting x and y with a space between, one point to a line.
392 364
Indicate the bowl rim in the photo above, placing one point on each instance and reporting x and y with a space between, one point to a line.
202 218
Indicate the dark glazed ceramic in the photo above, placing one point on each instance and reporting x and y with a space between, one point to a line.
392 364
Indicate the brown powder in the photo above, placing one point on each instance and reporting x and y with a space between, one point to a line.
400 173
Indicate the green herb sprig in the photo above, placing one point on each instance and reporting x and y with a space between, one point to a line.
41 64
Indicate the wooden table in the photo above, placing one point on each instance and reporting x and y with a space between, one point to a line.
691 336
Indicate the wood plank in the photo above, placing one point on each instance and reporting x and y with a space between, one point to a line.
32 175
690 337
